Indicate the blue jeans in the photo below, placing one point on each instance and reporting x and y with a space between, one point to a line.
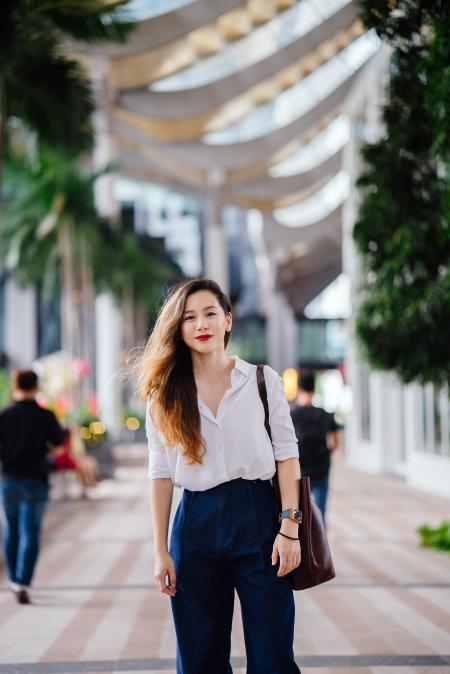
222 541
23 503
319 491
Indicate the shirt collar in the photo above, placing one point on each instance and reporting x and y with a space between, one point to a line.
239 375
241 366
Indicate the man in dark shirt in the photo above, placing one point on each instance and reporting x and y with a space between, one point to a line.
28 432
317 435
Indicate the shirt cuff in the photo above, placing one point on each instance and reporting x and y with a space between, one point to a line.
285 453
158 466
155 473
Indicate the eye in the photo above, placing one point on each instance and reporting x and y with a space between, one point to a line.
211 313
187 318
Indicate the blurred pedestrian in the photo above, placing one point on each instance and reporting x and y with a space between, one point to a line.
72 456
318 435
206 433
86 465
28 432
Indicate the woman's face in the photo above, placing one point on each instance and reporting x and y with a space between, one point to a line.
204 322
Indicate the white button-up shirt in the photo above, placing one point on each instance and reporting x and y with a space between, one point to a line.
237 444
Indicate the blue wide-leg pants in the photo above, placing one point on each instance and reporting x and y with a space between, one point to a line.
222 540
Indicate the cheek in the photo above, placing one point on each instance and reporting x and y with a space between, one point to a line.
223 324
185 330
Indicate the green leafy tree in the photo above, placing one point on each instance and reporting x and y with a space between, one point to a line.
53 231
40 84
134 269
51 228
127 263
403 228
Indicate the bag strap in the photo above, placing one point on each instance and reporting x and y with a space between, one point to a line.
261 380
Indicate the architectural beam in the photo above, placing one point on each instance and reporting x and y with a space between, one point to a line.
267 187
165 28
237 155
328 227
198 100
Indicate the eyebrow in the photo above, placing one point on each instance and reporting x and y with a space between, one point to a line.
211 306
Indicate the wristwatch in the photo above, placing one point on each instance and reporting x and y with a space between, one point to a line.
293 514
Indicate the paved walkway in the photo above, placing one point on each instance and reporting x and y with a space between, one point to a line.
96 608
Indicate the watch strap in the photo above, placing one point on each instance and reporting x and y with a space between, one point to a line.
289 514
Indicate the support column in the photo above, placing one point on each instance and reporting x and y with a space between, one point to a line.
108 340
107 314
20 333
282 336
281 326
363 110
281 333
215 243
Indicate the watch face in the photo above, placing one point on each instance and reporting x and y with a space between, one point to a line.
296 514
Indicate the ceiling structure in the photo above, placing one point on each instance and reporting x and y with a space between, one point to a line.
247 98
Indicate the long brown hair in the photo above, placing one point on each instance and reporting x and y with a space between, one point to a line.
166 376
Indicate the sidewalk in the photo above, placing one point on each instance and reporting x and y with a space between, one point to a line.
97 610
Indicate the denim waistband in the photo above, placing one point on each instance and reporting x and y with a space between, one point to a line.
238 484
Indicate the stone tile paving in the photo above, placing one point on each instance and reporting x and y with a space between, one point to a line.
96 608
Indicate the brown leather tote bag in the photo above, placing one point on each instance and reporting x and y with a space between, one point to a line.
316 566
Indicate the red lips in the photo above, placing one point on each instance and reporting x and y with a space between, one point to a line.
203 338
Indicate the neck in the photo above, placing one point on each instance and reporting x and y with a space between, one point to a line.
24 395
305 398
209 366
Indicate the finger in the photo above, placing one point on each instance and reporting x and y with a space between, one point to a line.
170 587
282 568
171 591
172 576
274 554
166 589
161 581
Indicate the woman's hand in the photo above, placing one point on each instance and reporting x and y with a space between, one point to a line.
165 566
289 554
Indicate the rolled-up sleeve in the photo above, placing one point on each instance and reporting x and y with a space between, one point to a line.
284 440
158 463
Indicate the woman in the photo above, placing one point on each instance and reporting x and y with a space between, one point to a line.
205 427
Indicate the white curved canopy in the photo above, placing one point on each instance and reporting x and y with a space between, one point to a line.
253 93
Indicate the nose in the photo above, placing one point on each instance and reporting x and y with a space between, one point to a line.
201 323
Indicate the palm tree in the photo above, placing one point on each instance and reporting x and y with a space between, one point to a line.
39 83
53 231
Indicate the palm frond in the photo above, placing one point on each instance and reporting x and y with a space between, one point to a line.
86 20
52 96
40 84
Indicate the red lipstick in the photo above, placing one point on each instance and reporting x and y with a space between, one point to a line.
203 338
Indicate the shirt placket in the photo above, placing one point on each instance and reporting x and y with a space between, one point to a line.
237 381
